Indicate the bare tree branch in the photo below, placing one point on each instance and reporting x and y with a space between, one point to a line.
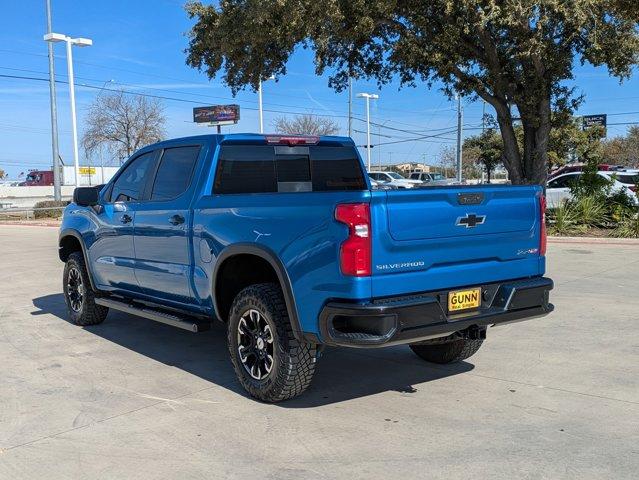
122 124
306 125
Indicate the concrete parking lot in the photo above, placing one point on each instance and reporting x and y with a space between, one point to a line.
132 399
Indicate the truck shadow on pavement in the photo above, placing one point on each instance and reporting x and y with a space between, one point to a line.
342 373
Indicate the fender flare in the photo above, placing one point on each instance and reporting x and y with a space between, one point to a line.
282 275
70 232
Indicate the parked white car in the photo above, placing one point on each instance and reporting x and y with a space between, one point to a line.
558 189
375 185
394 179
432 179
628 177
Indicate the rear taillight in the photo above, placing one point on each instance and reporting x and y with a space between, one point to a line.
633 188
542 222
355 251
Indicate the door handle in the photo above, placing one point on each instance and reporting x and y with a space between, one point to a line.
126 218
176 220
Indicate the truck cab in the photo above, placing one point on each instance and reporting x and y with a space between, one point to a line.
38 178
282 239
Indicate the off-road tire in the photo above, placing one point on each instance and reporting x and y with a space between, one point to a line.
90 313
452 351
293 361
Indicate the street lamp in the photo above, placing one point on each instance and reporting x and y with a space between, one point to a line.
79 42
259 100
368 97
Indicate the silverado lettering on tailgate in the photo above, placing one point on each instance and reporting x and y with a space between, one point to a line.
394 266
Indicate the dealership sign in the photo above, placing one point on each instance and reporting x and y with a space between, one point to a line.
594 120
217 114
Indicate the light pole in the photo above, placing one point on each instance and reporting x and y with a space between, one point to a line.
459 138
259 100
57 195
80 42
368 97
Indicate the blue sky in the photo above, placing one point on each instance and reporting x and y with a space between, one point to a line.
139 46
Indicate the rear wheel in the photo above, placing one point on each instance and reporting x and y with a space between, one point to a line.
450 350
270 363
78 295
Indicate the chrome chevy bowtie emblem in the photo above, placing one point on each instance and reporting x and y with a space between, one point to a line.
470 220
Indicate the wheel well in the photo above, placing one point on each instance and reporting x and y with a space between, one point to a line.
68 245
237 273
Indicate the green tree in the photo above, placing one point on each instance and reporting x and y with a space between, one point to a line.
511 54
568 141
448 161
490 150
623 150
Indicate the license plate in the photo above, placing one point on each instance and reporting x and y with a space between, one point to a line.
464 299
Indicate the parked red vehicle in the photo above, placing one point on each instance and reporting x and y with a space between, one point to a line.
38 178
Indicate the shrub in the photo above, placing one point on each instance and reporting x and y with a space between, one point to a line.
620 205
563 220
53 213
628 227
591 210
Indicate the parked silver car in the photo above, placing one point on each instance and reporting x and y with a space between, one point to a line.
394 179
432 179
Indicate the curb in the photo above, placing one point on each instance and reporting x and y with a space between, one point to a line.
595 240
35 224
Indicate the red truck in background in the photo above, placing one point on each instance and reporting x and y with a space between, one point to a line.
38 178
89 175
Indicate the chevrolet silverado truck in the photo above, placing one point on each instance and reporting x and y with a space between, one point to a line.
282 238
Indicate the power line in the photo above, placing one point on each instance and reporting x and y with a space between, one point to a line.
165 77
163 97
183 100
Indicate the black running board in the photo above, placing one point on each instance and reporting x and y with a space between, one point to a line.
185 323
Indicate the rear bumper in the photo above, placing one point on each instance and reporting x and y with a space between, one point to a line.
393 321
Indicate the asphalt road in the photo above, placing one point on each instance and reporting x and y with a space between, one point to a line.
132 399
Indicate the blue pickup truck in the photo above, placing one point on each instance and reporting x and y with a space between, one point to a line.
282 238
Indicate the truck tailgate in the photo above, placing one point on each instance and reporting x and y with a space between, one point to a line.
445 237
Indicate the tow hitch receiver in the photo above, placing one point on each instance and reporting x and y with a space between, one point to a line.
473 332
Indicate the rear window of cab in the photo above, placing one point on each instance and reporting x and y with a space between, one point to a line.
270 169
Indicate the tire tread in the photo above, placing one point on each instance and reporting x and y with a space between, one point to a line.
92 313
298 359
448 352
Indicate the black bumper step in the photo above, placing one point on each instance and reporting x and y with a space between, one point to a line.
183 322
413 318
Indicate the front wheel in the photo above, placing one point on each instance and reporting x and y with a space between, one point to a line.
78 294
451 351
270 363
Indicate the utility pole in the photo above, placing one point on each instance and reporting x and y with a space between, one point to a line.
57 194
350 106
459 138
259 101
483 117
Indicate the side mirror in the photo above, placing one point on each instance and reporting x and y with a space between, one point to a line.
87 196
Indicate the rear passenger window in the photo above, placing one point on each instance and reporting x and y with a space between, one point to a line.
268 169
130 183
175 172
246 169
336 168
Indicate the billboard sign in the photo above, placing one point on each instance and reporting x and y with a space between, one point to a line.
217 114
594 121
